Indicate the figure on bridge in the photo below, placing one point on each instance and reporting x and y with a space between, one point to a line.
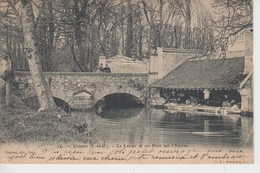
107 69
101 69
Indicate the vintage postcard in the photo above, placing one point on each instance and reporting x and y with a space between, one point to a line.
126 82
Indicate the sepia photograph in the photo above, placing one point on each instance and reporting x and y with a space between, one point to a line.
126 82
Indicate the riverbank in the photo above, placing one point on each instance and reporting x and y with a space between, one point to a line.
20 124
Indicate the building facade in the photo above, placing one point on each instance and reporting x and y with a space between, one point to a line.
192 72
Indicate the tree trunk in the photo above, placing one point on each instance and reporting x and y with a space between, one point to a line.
2 95
42 90
80 35
20 58
7 77
140 45
161 24
90 53
129 32
14 55
122 41
187 24
51 38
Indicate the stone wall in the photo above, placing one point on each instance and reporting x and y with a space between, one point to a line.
247 96
83 90
248 51
172 58
237 43
167 59
128 67
247 91
123 64
154 98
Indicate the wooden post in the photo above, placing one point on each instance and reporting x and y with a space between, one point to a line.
8 92
8 77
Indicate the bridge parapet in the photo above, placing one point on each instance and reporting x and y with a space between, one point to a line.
83 90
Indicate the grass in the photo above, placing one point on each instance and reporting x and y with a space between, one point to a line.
21 125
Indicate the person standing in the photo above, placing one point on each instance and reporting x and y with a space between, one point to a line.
107 69
206 94
101 69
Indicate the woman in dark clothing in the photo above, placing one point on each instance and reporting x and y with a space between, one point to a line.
107 69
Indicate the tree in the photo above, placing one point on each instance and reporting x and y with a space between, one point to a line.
129 32
231 18
187 24
11 39
89 27
80 35
44 32
42 90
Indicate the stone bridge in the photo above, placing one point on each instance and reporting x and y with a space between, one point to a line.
82 90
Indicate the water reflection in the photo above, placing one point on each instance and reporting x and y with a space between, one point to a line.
155 126
119 113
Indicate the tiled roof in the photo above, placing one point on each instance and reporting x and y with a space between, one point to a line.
201 74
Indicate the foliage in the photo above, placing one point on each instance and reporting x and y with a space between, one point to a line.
232 17
85 28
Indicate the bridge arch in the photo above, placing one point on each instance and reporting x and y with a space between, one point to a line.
99 94
34 103
62 99
65 96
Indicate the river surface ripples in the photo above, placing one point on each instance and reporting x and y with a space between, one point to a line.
156 126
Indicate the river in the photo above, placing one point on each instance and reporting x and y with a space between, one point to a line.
150 126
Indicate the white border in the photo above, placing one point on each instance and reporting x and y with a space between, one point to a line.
201 168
